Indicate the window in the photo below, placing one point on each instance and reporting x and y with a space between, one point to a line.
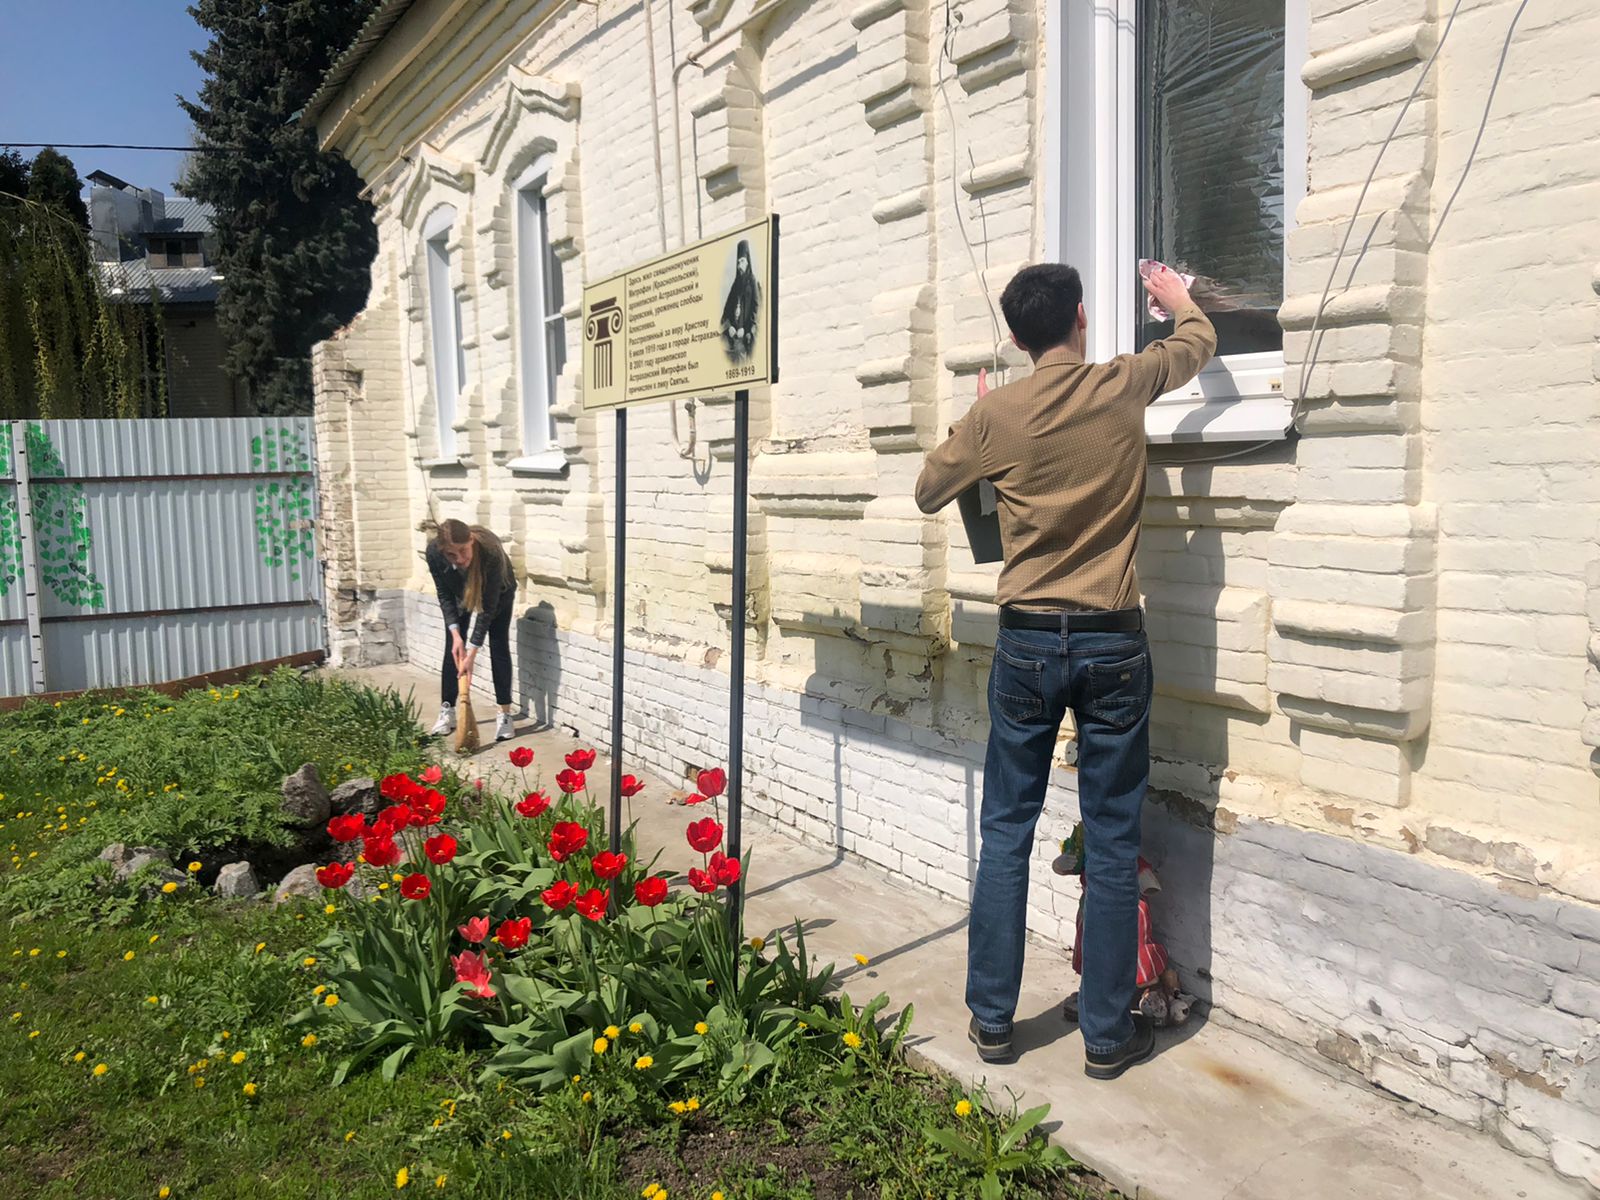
541 329
448 359
174 252
1179 134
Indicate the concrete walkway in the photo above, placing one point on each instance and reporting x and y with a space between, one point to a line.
1217 1114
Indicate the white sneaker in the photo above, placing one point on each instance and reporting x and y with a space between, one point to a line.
446 722
504 729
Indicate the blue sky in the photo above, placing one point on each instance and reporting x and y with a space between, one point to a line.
100 71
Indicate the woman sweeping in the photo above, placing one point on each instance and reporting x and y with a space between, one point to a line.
472 573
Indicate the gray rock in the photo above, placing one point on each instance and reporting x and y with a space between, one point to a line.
116 854
357 796
299 884
237 881
141 857
305 800
159 878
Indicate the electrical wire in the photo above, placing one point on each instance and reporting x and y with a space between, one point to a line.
1298 409
952 21
118 146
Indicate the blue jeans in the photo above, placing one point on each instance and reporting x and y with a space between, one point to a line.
1106 679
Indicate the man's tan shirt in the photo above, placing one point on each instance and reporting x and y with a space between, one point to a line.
1065 450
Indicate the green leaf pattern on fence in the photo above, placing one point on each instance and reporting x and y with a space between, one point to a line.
283 506
60 524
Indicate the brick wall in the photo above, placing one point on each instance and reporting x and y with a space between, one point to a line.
1376 647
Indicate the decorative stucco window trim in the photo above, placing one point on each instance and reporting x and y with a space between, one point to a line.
446 355
1090 212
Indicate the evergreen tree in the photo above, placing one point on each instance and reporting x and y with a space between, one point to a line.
295 240
53 180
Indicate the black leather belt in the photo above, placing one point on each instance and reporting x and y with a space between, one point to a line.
1117 620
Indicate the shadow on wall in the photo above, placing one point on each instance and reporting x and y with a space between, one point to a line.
539 663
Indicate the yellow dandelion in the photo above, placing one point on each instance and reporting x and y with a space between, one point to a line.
758 944
505 1135
309 1040
963 1108
651 1191
351 1136
694 1103
154 938
330 909
169 887
260 946
250 1090
61 953
163 1193
16 1016
79 1056
439 1182
853 1040
34 953
717 1196
636 1027
613 1032
152 999
238 1057
100 1069
194 868
319 989
308 961
382 887
34 1034
128 957
331 1000
643 1063
585 1098
679 1107
862 959
402 1177
199 1081
702 1028
224 1035
601 1045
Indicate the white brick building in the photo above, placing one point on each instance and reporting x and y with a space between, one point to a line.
1378 644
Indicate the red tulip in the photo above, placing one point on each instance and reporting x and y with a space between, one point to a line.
566 839
478 783
608 865
440 849
396 787
592 903
701 882
704 835
650 892
559 895
533 804
393 819
335 875
433 774
416 887
694 798
521 756
475 930
348 828
580 760
571 782
472 969
713 782
725 870
380 851
513 935
433 801
631 787
421 816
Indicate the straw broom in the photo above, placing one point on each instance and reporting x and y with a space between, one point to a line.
466 723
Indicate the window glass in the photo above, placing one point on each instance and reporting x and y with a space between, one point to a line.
1210 161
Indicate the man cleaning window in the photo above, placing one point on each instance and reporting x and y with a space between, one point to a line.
1065 452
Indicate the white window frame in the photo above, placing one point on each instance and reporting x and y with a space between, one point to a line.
536 326
1090 216
448 356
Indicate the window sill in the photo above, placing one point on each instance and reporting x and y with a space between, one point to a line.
441 464
546 462
1239 400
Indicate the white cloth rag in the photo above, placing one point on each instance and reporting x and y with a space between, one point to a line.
1146 266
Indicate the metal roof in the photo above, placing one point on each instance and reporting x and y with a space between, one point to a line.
384 18
173 285
185 216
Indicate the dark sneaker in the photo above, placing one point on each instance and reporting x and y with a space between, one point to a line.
1069 1008
992 1047
1109 1066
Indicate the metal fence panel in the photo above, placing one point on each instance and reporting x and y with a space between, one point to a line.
165 549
